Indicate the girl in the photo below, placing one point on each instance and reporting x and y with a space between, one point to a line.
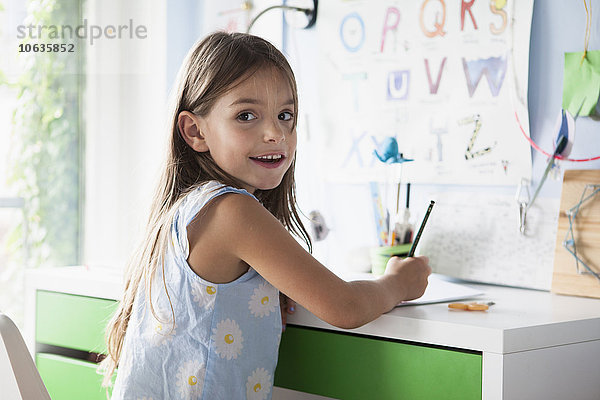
200 317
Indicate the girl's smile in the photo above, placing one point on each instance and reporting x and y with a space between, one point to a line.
269 160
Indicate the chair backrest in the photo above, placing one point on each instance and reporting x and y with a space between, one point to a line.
19 378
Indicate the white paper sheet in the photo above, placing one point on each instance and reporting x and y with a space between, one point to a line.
440 290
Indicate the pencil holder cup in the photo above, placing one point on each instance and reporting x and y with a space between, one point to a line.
380 256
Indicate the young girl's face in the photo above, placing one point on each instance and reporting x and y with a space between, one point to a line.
250 130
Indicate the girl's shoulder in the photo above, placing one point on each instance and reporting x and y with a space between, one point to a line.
201 196
195 205
212 229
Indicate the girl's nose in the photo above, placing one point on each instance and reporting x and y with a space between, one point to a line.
274 133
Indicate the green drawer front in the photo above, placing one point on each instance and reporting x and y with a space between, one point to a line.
352 367
76 322
70 379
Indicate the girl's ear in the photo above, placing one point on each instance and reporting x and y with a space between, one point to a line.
189 127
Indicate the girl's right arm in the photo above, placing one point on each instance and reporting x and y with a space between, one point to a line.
242 228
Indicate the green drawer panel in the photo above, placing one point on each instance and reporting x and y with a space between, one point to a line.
352 367
76 322
70 379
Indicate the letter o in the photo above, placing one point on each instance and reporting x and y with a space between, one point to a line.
353 47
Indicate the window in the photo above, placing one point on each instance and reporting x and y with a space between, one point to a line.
40 142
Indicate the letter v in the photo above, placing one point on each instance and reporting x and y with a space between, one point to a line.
433 87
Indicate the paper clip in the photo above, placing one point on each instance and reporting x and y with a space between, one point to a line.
569 242
522 198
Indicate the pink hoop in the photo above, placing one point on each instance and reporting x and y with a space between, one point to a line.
535 146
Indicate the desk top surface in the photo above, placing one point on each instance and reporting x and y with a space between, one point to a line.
520 320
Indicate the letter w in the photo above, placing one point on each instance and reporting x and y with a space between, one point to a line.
494 69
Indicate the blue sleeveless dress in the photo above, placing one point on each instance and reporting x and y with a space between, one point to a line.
224 340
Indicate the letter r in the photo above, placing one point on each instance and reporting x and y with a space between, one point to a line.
387 26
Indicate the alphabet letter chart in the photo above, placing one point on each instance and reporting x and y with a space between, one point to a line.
446 78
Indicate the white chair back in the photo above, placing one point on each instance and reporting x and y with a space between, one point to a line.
19 378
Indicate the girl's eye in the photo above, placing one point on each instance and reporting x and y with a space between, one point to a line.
285 116
246 116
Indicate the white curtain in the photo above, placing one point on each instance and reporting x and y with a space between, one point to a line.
125 114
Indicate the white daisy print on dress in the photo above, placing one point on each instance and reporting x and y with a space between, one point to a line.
258 385
204 295
264 300
162 330
190 379
228 339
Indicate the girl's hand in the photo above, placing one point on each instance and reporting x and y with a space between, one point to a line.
412 274
288 306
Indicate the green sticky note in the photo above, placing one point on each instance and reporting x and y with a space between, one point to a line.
581 84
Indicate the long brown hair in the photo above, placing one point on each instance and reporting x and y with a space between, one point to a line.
212 67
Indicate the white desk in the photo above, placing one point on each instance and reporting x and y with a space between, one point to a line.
535 345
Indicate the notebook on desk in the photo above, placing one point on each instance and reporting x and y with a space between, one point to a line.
439 289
